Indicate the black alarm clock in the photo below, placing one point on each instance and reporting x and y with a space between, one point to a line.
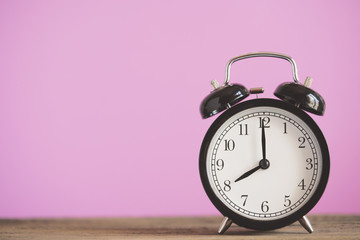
264 163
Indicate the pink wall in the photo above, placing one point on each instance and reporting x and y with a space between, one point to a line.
99 100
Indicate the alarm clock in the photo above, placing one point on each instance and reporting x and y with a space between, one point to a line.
264 163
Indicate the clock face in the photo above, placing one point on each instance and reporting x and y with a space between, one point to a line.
264 163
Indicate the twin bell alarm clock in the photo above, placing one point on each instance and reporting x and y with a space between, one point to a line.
264 163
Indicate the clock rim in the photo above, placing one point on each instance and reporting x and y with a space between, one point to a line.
265 224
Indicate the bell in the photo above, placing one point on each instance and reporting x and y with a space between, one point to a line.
302 97
222 98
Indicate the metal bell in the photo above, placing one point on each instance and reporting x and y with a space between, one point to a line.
302 97
222 98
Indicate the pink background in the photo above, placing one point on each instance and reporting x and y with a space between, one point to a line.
99 100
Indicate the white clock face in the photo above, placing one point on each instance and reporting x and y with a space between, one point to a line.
287 178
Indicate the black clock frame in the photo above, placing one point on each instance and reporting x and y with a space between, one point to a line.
265 224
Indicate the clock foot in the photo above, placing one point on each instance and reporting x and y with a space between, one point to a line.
225 224
304 221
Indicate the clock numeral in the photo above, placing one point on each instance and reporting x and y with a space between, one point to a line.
243 129
310 165
302 184
244 196
229 145
265 121
287 201
227 186
302 142
264 207
220 164
285 132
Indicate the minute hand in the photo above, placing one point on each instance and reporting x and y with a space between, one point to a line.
263 141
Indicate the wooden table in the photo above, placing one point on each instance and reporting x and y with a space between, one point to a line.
325 227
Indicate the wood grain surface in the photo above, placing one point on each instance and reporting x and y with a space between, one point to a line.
325 227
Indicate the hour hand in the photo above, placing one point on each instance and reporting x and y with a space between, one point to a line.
263 164
248 173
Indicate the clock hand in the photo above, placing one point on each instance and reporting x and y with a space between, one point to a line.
248 173
263 164
263 140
